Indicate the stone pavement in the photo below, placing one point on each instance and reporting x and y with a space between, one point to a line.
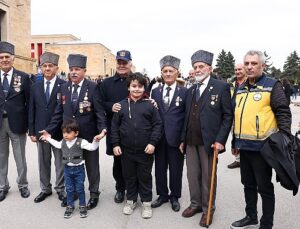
16 212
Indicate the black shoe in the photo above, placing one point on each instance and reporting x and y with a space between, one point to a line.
61 195
64 202
69 212
234 165
92 203
157 203
3 194
247 221
41 197
24 192
119 197
175 204
83 211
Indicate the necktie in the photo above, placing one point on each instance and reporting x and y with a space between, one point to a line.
167 98
47 93
5 84
198 92
74 96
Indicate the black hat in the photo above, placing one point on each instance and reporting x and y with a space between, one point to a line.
49 57
6 47
77 60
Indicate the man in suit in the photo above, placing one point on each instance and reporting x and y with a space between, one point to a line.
14 100
79 99
43 100
113 90
170 99
207 124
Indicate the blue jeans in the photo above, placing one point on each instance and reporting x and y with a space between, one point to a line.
74 182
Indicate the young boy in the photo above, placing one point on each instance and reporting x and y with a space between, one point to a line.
74 172
136 129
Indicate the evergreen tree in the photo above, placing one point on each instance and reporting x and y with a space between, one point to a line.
225 64
275 72
291 67
268 63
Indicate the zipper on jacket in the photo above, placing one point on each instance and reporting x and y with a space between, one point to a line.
242 114
257 126
241 99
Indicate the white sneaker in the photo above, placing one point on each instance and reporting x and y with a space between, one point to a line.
147 210
129 207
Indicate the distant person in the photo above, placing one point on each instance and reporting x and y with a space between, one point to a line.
240 78
14 101
135 132
72 157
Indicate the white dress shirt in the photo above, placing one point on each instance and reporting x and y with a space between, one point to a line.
52 82
171 93
9 76
204 85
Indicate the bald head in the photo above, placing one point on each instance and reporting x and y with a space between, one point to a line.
239 71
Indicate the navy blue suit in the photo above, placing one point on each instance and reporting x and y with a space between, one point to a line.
91 122
40 114
167 153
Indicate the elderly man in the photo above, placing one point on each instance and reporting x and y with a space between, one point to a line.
240 77
14 100
43 100
112 91
79 99
170 99
261 109
207 124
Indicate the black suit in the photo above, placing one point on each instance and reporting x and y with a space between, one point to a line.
91 122
40 114
13 126
213 112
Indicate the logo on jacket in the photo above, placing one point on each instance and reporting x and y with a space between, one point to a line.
257 96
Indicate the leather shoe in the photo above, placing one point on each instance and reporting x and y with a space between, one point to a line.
93 202
157 203
119 197
175 205
41 197
246 221
3 194
189 212
24 192
234 165
203 220
61 195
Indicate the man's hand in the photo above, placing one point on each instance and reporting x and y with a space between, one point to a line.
98 137
153 103
235 151
116 107
44 135
117 151
181 147
149 149
33 138
219 147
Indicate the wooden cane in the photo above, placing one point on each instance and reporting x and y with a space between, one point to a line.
212 185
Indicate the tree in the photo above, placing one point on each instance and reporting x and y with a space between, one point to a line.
275 72
225 64
268 63
291 67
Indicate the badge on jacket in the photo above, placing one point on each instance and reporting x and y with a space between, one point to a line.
17 83
213 99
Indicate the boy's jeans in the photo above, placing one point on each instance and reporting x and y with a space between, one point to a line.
74 182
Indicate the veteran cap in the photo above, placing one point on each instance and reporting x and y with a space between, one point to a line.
77 60
6 47
49 57
169 61
124 55
202 56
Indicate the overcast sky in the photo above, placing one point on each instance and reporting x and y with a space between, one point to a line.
153 29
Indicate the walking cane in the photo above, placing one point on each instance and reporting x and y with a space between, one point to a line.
212 185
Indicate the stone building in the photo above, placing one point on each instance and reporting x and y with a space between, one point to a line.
100 62
15 27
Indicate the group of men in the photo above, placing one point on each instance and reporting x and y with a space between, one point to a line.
196 121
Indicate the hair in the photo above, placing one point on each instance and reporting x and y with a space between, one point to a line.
260 55
139 77
70 125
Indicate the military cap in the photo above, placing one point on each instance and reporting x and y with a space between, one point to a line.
124 55
202 56
6 47
169 61
77 60
49 57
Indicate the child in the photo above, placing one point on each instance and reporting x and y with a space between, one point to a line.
136 129
74 172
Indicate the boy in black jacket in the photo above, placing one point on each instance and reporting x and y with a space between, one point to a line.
136 129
